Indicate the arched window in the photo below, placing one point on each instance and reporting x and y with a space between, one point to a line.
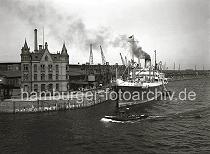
46 58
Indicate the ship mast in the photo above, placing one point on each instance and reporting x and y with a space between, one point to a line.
155 60
131 40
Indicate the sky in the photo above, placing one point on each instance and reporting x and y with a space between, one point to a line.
179 30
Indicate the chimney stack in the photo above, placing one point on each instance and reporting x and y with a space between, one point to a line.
35 41
40 47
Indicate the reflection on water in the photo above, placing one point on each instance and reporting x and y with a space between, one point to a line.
172 126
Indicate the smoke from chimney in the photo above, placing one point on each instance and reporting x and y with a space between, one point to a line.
59 26
139 53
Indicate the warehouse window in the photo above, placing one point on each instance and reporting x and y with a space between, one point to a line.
57 68
50 87
57 87
49 68
25 67
25 77
35 77
35 67
42 87
42 77
50 76
35 87
25 88
56 76
43 68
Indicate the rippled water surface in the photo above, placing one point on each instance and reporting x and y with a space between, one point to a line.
173 126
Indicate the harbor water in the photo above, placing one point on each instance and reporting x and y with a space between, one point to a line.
176 126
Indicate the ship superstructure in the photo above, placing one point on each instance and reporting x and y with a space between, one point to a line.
140 78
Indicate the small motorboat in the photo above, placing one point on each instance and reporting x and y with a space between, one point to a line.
123 116
198 116
127 118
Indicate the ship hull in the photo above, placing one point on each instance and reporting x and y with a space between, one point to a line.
128 95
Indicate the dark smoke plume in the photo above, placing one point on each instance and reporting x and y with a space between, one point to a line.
138 52
62 27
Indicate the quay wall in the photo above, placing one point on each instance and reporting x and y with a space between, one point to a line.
170 73
175 75
19 106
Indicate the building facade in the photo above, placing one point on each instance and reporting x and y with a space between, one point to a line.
42 70
12 72
10 67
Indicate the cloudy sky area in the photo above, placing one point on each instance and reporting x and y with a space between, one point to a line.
178 29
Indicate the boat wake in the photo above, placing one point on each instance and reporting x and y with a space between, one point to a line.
112 119
134 118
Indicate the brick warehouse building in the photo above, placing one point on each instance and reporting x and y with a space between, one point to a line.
42 70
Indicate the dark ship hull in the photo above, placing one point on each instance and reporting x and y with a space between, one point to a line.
131 95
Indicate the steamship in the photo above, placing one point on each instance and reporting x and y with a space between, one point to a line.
141 82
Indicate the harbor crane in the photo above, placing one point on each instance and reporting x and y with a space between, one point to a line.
126 61
123 61
103 57
91 55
